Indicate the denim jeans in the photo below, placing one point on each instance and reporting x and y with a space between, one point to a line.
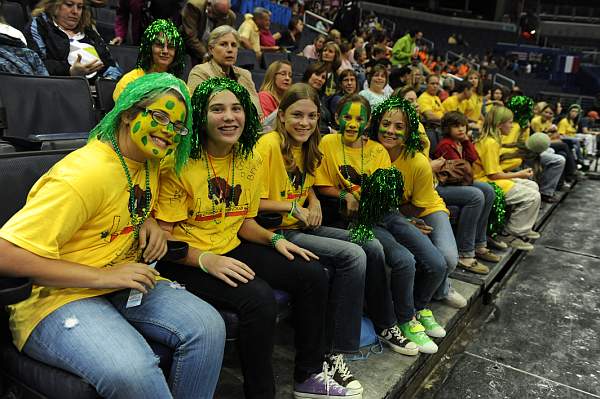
430 263
348 262
443 239
105 343
475 204
561 148
575 145
553 166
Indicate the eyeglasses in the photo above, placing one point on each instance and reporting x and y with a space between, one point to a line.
284 74
163 119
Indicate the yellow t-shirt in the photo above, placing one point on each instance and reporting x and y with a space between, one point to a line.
424 139
473 111
453 103
126 79
489 163
249 30
515 136
210 221
77 212
427 102
334 172
538 125
278 183
566 127
418 184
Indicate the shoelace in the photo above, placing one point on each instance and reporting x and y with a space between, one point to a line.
395 331
340 365
416 326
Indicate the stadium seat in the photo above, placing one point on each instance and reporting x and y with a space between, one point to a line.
105 89
246 59
15 14
38 109
299 64
269 58
125 56
257 77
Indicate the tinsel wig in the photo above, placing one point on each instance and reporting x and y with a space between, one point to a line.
412 140
152 34
140 93
522 109
200 100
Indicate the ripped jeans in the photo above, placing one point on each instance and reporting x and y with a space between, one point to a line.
104 343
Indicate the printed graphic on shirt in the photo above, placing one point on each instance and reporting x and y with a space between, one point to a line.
353 176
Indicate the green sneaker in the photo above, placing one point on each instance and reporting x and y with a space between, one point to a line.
432 328
415 332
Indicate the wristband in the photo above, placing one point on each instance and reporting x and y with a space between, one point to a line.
291 214
276 237
200 261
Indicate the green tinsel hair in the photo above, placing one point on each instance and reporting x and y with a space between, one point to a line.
522 109
143 89
152 35
412 142
381 193
200 100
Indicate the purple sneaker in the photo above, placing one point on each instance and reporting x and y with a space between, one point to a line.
321 385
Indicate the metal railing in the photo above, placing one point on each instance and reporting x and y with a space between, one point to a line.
318 17
504 81
461 58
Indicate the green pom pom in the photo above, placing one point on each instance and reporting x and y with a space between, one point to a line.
497 217
152 35
522 109
380 193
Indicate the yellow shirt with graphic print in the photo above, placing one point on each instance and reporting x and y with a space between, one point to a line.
453 103
419 189
489 163
76 212
515 136
332 172
278 183
210 221
427 102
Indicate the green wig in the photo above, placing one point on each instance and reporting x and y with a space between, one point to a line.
412 142
522 109
152 34
200 100
143 89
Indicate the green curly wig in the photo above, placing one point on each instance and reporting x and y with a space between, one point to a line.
151 36
200 100
522 109
413 142
137 91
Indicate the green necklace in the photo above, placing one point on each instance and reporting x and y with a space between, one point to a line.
362 162
136 220
212 194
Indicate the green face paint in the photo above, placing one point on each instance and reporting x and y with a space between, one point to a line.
353 121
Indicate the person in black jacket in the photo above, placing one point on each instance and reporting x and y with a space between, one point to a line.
62 34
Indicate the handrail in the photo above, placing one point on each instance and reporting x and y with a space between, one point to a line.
429 42
316 16
506 79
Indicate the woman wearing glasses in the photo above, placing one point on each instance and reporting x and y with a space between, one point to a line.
277 80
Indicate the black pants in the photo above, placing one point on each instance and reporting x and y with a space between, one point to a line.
255 305
563 149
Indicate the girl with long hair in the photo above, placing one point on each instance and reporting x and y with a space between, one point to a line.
278 79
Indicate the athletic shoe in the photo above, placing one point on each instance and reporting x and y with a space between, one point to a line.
415 333
338 370
398 342
488 256
532 235
455 300
432 328
321 385
474 267
496 243
517 243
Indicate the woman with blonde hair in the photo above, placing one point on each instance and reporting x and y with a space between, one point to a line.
520 192
332 57
473 112
277 80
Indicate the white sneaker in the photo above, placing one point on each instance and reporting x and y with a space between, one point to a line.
455 300
532 235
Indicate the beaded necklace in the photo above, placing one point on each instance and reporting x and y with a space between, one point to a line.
213 194
136 220
362 161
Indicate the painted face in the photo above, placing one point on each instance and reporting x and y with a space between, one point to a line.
392 129
506 127
163 53
225 50
69 13
349 84
353 121
300 120
154 139
316 80
225 118
283 78
547 114
458 133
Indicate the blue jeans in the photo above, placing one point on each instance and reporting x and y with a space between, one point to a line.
107 345
475 204
574 144
430 263
348 262
553 166
443 239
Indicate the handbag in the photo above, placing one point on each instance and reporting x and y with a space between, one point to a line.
455 172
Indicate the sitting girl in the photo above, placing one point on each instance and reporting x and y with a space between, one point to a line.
520 192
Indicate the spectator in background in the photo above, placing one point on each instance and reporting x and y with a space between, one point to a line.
249 30
161 50
430 105
404 48
357 42
459 101
290 39
141 13
474 112
496 97
399 77
315 76
332 58
335 36
347 86
568 128
268 40
313 51
345 56
448 87
61 33
378 57
278 79
15 57
198 19
377 78
359 66
223 44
